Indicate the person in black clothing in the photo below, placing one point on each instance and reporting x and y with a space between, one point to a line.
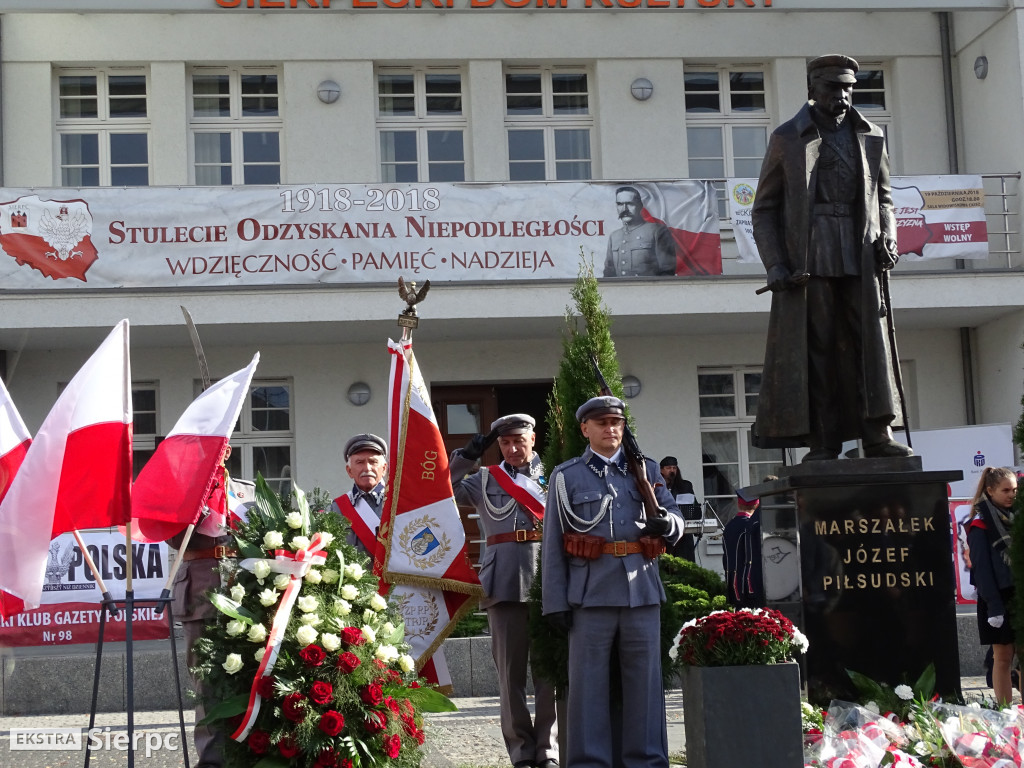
742 556
988 537
682 491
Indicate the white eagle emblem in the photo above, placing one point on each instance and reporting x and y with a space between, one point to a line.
56 564
63 232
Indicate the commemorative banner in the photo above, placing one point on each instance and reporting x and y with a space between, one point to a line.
70 609
937 217
66 238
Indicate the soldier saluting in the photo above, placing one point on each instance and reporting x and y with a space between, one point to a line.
510 501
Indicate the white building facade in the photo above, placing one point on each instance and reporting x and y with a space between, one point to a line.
398 94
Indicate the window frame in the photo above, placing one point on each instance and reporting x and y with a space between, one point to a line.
726 120
245 439
421 124
103 126
144 442
550 123
749 470
236 125
882 117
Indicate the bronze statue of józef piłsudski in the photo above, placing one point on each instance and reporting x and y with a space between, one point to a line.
824 226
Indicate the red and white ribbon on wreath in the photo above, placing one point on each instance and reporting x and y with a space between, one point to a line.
295 564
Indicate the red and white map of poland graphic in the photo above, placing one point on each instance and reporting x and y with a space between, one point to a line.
53 236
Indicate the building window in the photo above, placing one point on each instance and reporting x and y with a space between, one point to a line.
264 438
145 419
236 126
728 405
549 124
871 99
421 124
103 128
727 123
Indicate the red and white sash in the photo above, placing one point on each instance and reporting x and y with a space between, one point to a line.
523 488
362 519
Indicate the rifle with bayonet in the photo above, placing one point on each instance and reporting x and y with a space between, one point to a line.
635 459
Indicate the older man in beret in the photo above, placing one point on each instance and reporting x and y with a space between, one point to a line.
366 462
825 229
510 500
601 584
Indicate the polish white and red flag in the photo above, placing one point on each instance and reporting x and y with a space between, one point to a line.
76 474
172 488
424 552
690 211
14 442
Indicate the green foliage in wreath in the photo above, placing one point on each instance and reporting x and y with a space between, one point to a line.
343 691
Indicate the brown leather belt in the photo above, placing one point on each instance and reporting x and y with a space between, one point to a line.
621 548
214 553
520 536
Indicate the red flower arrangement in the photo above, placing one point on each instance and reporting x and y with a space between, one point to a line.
746 636
312 655
347 662
331 722
371 694
321 692
259 742
266 687
294 707
329 700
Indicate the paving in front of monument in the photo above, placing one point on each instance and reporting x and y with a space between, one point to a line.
470 737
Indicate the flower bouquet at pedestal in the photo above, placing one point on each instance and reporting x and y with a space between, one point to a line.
738 638
306 659
740 663
982 738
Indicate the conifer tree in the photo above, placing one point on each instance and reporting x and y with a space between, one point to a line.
588 330
692 590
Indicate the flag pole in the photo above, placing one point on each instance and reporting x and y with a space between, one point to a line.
129 609
104 592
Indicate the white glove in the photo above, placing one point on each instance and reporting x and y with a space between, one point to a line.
995 621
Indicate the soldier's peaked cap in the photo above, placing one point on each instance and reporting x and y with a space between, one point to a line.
514 424
834 68
366 442
600 406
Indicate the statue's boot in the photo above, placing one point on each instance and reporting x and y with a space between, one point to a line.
879 444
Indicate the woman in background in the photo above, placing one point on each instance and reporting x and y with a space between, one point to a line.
988 537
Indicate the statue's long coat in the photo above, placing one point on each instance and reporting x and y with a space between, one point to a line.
781 215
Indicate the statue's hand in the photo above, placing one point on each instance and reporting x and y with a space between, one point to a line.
778 278
888 254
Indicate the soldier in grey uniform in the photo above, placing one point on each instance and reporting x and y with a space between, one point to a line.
366 462
510 502
601 584
200 573
640 248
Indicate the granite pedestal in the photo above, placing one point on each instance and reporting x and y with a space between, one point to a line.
877 589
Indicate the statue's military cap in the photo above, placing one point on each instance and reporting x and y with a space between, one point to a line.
834 68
